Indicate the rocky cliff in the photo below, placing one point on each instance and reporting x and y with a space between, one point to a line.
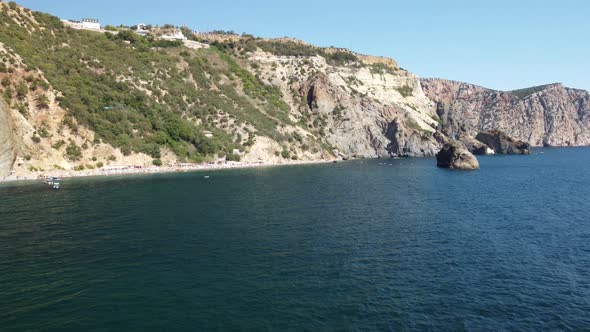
83 100
78 100
550 115
7 145
362 110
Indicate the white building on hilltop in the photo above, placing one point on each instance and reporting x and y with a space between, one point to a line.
142 29
90 23
175 35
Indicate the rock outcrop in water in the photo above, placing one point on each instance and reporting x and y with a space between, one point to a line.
474 146
549 115
501 143
454 155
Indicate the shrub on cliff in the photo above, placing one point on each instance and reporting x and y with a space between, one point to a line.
406 91
233 157
341 58
73 152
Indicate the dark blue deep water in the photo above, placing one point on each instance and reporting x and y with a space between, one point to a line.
358 245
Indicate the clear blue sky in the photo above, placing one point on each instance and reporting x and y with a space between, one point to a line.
502 44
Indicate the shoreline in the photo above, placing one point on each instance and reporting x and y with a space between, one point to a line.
184 168
132 170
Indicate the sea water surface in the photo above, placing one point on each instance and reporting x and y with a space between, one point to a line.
362 245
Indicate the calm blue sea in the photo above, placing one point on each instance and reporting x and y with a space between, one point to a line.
361 245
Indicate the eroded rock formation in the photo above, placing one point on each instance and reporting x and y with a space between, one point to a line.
501 143
454 155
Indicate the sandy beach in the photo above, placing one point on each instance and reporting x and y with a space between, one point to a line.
138 170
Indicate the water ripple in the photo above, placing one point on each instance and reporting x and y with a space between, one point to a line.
348 246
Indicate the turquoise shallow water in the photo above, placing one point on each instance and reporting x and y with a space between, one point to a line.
360 245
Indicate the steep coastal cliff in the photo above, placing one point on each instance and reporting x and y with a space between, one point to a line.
7 145
84 100
550 115
362 109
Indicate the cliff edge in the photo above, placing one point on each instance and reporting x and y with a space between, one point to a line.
547 115
7 146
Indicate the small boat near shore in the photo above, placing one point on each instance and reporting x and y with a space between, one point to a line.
52 181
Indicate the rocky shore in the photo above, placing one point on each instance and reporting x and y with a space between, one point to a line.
132 170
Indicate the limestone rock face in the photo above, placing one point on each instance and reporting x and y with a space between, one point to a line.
550 115
7 148
454 155
362 112
474 146
501 143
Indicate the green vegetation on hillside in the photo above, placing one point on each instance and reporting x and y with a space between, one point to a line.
290 48
143 42
287 48
141 94
380 68
523 93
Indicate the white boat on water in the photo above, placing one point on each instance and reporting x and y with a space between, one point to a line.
52 182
